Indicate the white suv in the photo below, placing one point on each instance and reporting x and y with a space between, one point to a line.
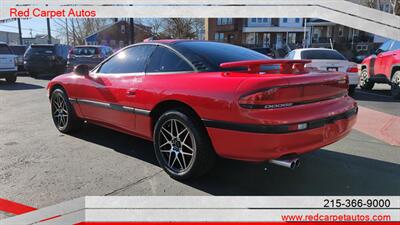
8 65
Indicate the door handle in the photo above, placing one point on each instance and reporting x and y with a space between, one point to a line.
131 92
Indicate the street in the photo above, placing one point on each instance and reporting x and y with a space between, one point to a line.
40 166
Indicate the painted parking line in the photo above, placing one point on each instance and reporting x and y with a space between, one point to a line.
14 207
379 125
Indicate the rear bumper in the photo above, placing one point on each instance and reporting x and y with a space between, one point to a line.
8 72
354 78
262 145
34 67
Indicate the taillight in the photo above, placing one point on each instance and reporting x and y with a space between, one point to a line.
309 67
352 70
282 97
264 99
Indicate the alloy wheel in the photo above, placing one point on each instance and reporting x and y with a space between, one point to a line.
177 145
364 78
60 111
396 80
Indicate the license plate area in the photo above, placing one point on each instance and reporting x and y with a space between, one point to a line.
332 69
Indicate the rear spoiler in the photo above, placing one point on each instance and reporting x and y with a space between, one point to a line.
287 66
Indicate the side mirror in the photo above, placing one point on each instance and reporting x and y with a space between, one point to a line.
378 51
81 69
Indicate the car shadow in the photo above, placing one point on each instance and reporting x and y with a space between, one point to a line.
119 142
374 95
18 86
322 172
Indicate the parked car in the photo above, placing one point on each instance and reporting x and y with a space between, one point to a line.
266 51
8 64
328 60
383 67
45 59
19 51
90 55
199 99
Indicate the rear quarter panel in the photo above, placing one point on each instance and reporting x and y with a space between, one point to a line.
210 94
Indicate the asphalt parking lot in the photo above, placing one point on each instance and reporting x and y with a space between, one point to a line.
40 166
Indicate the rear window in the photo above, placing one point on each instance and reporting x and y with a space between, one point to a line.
84 51
18 50
322 54
5 50
40 50
216 53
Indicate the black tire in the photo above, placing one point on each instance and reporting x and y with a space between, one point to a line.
11 79
352 89
63 113
183 166
395 85
365 81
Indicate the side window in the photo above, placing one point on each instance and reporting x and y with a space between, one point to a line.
164 60
130 60
385 46
395 46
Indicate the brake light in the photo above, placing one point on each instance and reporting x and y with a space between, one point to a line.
282 97
309 67
254 66
352 70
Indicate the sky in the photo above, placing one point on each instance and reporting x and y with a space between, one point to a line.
34 26
31 27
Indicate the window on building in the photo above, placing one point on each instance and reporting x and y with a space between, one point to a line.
259 20
265 20
292 38
219 36
285 20
164 60
224 21
253 20
123 29
340 31
130 60
250 38
297 20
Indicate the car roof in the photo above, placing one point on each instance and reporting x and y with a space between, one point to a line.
173 41
307 49
93 46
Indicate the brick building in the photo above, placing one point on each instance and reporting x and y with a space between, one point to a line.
116 35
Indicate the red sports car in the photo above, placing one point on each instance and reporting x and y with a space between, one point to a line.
197 100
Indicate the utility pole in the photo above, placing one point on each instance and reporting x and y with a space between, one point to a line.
66 29
132 31
305 33
19 31
48 31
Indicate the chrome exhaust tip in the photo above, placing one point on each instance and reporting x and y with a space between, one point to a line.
288 163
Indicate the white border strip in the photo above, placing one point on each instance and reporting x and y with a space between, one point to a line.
337 11
195 208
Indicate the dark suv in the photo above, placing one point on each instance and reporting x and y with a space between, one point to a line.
45 59
90 55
